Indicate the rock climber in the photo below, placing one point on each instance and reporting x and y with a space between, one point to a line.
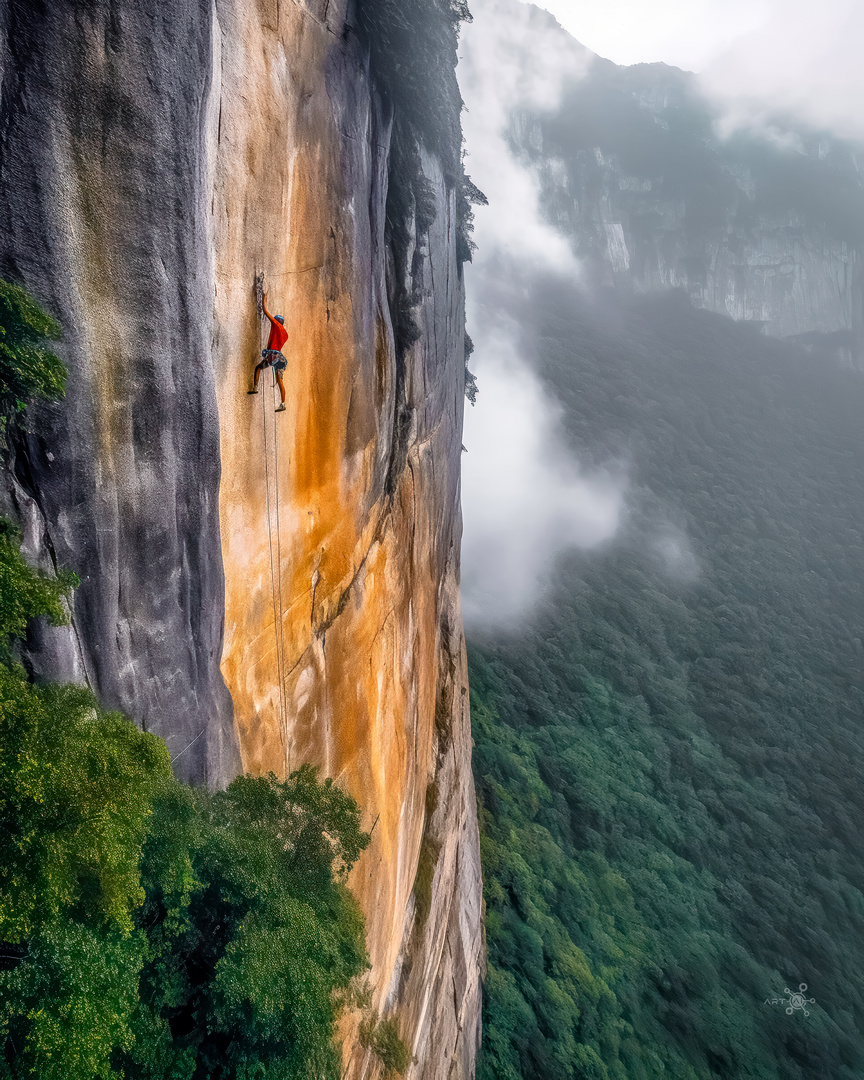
272 355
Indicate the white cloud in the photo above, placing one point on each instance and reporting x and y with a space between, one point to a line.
804 60
497 73
755 57
524 497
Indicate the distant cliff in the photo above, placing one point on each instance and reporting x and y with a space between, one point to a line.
258 588
765 230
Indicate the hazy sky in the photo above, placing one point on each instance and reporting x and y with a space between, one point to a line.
794 55
687 33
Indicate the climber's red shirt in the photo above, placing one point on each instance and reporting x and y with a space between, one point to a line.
278 336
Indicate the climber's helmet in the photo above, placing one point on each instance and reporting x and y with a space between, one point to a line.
279 319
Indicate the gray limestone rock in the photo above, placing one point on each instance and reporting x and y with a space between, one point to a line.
101 155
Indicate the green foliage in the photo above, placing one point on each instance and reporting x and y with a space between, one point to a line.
28 370
252 933
77 786
170 933
668 754
148 930
469 195
383 1039
25 593
471 388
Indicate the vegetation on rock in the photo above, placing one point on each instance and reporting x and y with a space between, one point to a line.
28 369
383 1039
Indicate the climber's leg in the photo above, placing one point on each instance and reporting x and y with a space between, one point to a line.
258 371
281 390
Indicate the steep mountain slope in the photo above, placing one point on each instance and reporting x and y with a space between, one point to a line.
278 603
763 229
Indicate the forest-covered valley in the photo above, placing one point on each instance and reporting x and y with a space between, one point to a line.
669 751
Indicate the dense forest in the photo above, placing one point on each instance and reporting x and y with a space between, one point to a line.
669 751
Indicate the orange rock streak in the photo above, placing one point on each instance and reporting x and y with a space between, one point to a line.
354 570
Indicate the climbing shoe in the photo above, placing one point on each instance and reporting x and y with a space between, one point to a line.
280 409
251 391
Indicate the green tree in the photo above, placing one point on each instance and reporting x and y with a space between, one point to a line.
255 940
28 369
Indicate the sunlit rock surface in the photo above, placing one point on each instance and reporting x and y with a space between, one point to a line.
156 162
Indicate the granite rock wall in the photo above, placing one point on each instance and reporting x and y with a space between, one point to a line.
260 589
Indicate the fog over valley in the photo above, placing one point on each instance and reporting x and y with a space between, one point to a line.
525 497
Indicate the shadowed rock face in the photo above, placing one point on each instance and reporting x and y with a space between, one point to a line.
270 603
102 179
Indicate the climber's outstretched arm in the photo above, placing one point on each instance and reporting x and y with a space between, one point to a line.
264 306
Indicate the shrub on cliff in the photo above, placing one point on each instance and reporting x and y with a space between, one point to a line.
28 369
383 1039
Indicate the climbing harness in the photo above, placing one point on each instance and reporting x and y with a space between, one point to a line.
275 565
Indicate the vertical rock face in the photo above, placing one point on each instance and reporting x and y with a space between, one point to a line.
156 161
102 198
340 517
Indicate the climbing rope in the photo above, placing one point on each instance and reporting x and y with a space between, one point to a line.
275 574
276 619
285 741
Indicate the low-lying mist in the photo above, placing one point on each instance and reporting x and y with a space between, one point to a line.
525 497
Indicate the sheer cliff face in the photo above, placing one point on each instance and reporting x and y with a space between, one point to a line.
102 192
157 161
633 170
347 505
